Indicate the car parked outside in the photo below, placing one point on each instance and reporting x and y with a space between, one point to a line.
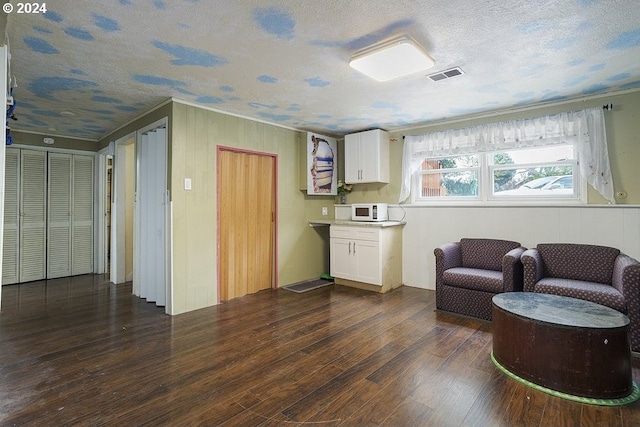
545 186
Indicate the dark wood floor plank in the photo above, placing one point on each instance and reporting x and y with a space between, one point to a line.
600 416
489 406
631 414
410 413
561 413
82 351
526 407
316 401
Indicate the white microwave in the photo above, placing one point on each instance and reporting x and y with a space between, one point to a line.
369 212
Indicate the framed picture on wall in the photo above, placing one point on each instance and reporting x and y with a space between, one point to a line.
322 174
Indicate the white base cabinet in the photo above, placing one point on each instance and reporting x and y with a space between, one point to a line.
366 257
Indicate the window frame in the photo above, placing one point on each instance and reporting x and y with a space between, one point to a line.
486 184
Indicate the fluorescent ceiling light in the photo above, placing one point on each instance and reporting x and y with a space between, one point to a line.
391 60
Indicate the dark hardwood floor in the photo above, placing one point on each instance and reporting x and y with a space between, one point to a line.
81 351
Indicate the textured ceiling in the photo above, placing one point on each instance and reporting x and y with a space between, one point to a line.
286 61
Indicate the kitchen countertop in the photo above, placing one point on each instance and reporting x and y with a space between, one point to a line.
381 224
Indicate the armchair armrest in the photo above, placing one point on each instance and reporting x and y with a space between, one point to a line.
626 279
512 270
626 276
448 256
533 268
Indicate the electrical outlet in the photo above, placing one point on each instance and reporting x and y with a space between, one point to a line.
621 194
325 211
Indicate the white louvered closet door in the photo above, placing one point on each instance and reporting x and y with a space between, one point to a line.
10 248
82 224
59 216
33 198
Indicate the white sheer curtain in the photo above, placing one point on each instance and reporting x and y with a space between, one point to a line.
584 128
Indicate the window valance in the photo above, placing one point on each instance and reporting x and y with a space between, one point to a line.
585 129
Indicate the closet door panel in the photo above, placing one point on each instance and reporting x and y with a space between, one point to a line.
32 229
11 217
59 217
82 224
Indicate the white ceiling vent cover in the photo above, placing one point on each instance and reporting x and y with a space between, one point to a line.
447 74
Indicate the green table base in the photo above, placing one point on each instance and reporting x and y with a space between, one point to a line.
635 393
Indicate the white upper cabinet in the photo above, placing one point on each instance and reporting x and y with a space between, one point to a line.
366 157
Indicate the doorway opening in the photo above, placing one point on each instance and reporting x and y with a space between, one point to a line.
139 244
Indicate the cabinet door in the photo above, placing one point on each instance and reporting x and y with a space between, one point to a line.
366 262
374 156
369 156
352 158
341 258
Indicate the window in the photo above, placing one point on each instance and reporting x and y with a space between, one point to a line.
539 173
544 173
483 162
450 177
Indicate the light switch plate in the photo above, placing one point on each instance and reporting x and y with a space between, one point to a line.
187 183
325 212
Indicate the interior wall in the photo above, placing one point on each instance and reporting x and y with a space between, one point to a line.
426 228
597 223
35 140
196 133
623 137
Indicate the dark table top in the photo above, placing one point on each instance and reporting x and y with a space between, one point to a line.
560 310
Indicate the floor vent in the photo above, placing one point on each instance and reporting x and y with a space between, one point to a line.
447 74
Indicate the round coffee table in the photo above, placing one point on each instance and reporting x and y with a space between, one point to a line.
566 346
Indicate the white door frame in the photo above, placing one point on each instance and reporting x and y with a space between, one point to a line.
118 211
100 208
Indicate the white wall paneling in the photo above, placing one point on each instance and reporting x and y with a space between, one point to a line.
429 227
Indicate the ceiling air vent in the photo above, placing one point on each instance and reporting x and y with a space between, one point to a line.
447 74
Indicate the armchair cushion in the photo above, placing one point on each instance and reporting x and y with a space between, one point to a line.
589 263
474 278
485 254
589 291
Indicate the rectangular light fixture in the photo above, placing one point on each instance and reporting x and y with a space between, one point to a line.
390 60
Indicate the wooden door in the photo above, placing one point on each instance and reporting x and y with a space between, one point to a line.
246 206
